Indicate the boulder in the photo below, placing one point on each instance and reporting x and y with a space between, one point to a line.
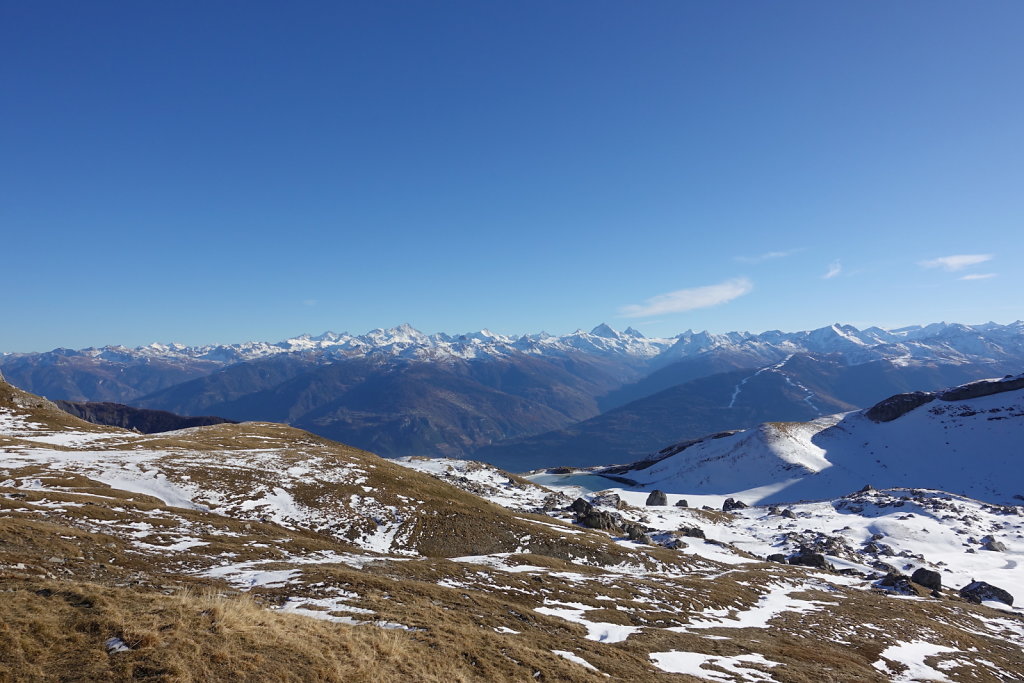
788 514
657 498
995 546
777 557
897 583
637 533
599 519
927 578
682 503
691 532
581 507
808 558
731 504
979 591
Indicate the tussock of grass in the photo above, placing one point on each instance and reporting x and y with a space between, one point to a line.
59 631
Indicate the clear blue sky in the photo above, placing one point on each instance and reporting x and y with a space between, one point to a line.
225 171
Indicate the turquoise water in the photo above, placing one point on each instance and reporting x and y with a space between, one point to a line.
588 482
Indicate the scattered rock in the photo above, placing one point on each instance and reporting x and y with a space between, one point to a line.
581 507
927 578
611 500
657 498
788 514
681 503
995 546
731 504
807 558
553 501
637 533
979 591
897 583
691 532
777 557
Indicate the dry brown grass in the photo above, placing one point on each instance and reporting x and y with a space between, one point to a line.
57 631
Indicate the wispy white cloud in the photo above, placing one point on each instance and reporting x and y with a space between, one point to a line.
956 262
834 268
978 276
683 300
767 256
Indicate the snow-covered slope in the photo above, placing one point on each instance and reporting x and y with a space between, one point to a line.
970 446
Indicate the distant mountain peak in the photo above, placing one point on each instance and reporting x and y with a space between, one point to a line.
605 331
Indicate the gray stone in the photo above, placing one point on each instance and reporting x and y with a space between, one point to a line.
657 498
731 504
808 558
978 591
927 578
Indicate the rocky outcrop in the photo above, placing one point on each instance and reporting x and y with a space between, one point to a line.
897 406
139 419
979 591
901 404
985 387
589 516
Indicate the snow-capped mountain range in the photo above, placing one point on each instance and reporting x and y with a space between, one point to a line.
948 342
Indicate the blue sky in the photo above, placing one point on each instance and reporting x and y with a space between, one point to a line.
223 171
